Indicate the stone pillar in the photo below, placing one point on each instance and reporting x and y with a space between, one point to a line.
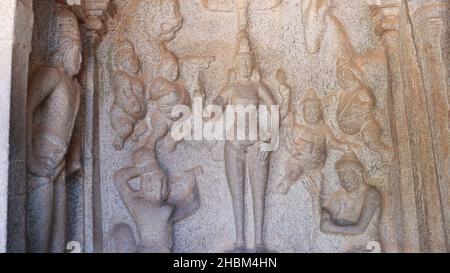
95 26
430 29
387 29
21 48
419 211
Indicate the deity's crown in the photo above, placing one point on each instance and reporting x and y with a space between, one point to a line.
349 158
243 46
310 95
66 24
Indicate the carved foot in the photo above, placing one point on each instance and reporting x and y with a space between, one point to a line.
239 248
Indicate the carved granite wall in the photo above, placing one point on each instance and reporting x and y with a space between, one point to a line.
363 160
277 36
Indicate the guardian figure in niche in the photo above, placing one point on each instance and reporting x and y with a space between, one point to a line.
53 102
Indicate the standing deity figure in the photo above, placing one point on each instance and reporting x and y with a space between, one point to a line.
244 90
308 143
129 107
53 102
355 109
161 200
353 211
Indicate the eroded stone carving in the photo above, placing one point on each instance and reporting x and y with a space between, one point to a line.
53 102
245 89
129 107
355 108
321 25
161 20
308 142
356 104
142 76
355 210
156 205
193 72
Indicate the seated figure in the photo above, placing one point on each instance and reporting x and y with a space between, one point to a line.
353 212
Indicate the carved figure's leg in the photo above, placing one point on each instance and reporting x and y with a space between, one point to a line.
259 173
235 171
58 236
39 207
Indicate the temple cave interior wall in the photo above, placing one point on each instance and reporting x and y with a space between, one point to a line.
369 172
